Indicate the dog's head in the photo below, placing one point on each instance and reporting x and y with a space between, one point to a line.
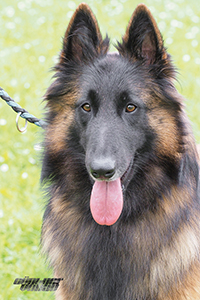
120 110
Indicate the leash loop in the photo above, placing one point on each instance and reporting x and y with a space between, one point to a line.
23 129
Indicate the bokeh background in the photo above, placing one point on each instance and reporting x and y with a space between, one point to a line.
31 34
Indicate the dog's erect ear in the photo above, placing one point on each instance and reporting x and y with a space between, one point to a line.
83 40
143 39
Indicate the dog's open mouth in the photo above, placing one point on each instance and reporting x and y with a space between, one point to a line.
106 201
126 177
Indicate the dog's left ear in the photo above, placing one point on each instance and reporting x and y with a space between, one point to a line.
143 39
83 40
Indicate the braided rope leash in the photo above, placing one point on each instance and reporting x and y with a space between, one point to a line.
21 112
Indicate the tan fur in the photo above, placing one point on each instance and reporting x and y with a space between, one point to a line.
70 222
163 122
57 131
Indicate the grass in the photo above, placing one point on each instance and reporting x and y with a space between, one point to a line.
30 40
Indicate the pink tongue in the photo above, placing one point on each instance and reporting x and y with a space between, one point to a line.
106 201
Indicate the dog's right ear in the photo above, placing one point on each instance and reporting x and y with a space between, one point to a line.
143 40
83 40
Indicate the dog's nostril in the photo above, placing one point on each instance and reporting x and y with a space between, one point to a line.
94 174
110 173
107 174
102 169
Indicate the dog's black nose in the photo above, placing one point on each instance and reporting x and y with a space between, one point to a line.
102 168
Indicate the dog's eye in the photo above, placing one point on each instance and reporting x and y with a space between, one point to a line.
86 107
130 108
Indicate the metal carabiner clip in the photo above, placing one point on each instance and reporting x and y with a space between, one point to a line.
23 129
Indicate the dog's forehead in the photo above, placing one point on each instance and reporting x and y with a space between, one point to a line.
112 72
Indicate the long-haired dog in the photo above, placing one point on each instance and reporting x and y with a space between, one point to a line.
121 166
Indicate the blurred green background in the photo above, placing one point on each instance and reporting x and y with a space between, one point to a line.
30 40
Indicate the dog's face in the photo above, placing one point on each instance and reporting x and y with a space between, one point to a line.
111 116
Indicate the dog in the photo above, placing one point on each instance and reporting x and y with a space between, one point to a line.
121 168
